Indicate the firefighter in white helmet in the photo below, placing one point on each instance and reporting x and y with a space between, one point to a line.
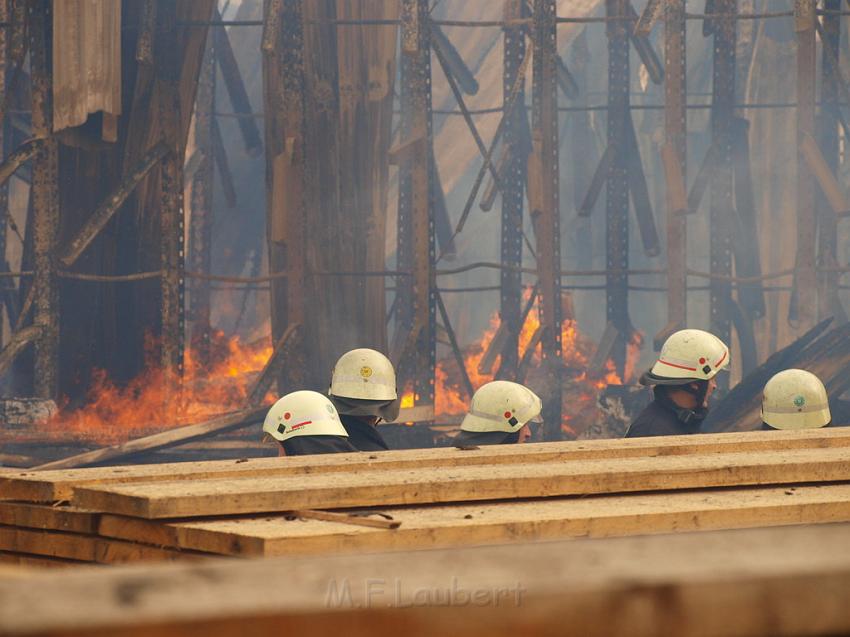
305 422
682 380
363 389
795 399
499 414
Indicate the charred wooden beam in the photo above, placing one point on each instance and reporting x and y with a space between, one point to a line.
452 62
17 158
640 192
721 179
651 13
45 205
544 207
5 15
617 196
223 165
19 341
284 350
806 277
236 90
818 167
106 210
442 221
147 25
597 182
458 355
645 51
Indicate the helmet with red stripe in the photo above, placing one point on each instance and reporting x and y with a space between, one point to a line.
686 356
303 413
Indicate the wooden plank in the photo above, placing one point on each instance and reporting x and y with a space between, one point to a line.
161 440
85 548
28 562
791 581
37 516
499 523
425 486
51 486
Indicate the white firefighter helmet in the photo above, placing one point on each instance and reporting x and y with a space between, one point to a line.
686 356
795 399
363 374
501 405
303 413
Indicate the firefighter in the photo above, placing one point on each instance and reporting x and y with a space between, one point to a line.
499 415
305 422
795 399
682 380
363 390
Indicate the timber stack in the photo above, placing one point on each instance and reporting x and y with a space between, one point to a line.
424 499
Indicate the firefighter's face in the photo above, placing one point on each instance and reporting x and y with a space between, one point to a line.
712 385
524 434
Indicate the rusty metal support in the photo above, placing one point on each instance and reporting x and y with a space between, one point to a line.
223 165
19 341
17 158
676 151
45 203
721 178
147 24
516 152
452 62
200 230
416 310
456 351
617 192
543 202
172 218
806 277
5 15
828 302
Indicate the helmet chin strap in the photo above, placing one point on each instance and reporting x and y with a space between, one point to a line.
685 414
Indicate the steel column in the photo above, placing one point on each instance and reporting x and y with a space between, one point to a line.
4 187
721 181
513 177
675 129
828 301
200 232
172 217
45 202
545 212
617 185
806 278
416 313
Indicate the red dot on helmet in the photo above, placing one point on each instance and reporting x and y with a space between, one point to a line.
287 416
702 361
507 414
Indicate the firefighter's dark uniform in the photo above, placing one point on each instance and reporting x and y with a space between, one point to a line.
662 417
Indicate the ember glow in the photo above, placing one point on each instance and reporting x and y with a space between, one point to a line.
116 413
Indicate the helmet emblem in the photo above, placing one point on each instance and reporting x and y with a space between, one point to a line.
330 408
799 401
365 371
508 415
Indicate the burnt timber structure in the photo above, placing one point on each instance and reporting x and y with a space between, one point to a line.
107 213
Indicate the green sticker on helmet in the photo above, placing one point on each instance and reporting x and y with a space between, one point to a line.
799 401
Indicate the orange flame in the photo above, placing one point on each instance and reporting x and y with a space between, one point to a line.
117 413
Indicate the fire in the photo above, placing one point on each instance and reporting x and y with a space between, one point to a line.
580 391
116 413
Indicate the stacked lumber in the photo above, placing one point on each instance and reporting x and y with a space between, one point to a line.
788 581
428 498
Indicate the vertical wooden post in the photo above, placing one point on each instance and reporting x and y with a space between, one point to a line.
45 202
513 179
675 130
283 90
722 204
545 212
806 279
